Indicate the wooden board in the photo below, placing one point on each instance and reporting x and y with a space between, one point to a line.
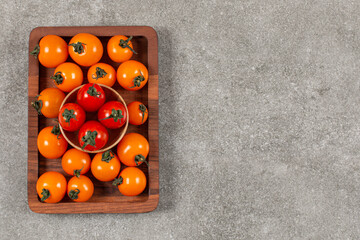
106 198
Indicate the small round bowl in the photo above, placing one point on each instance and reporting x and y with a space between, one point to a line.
115 135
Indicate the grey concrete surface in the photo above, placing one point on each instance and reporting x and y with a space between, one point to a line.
259 119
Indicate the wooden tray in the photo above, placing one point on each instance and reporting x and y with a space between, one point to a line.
106 198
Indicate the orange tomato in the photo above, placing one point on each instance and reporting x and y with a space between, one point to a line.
68 76
131 181
51 187
85 49
102 73
138 113
48 102
80 189
52 50
132 75
51 143
105 166
120 48
133 149
76 162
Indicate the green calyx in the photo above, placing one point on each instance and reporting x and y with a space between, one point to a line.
89 139
99 73
125 44
56 131
74 194
92 91
107 156
45 194
137 80
78 47
117 181
115 114
68 115
36 51
140 158
58 78
77 172
143 109
37 104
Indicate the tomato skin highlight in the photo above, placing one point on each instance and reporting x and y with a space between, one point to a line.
48 102
76 161
131 146
71 117
105 171
102 73
95 131
91 97
132 75
110 112
85 49
138 113
83 188
52 51
133 181
116 52
67 76
54 183
51 145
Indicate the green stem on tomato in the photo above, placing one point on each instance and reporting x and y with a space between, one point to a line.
125 44
45 194
78 47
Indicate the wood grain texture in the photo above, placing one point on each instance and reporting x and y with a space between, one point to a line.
106 198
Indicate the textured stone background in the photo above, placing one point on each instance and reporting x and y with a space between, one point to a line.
259 119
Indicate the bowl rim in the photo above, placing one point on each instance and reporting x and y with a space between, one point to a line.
123 130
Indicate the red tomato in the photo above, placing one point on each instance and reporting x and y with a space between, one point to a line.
91 97
71 117
93 136
112 114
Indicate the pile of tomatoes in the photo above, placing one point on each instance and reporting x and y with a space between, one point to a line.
86 50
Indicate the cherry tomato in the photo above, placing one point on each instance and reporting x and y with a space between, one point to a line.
120 48
132 75
85 49
112 114
102 73
76 162
138 113
68 76
105 166
80 189
133 149
52 50
131 181
91 97
51 143
71 117
48 102
51 187
93 136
